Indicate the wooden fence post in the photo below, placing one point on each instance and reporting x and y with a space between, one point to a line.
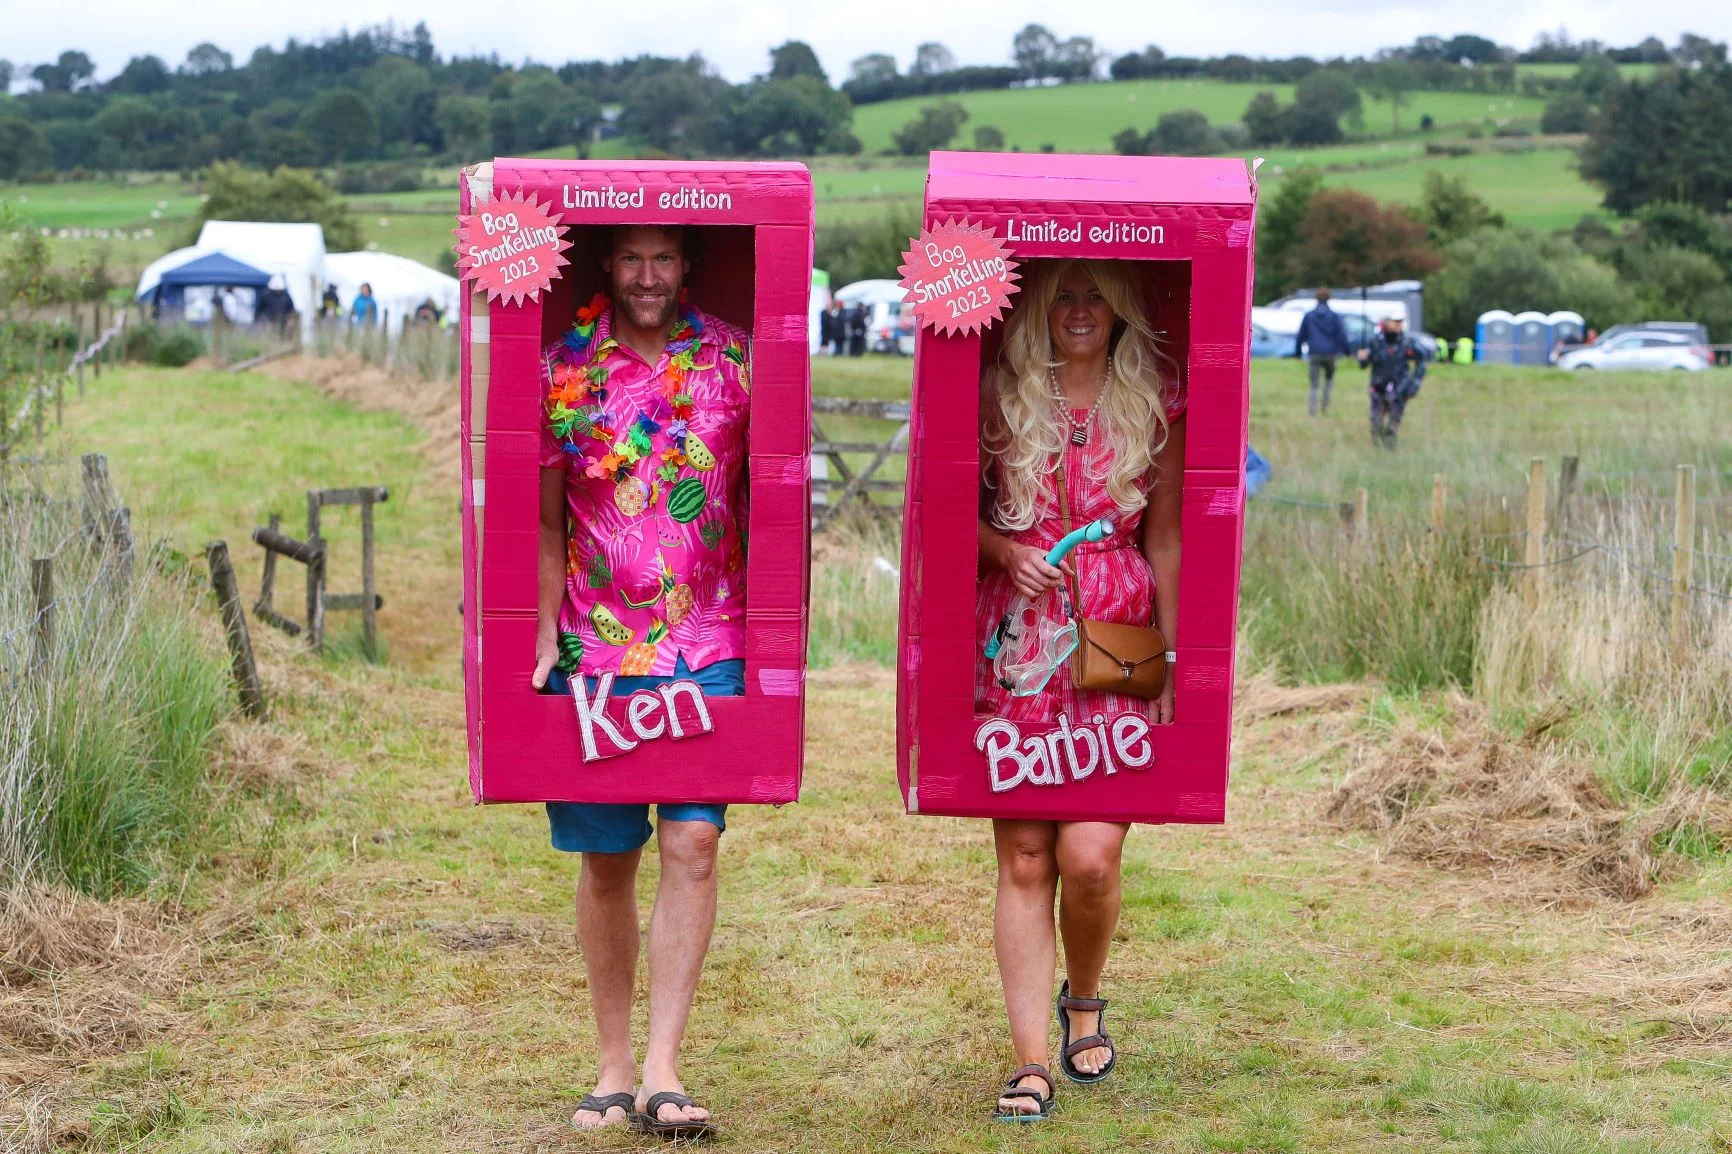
120 540
1683 554
1566 490
315 577
38 388
369 603
1439 498
42 585
222 579
1535 553
1361 512
99 496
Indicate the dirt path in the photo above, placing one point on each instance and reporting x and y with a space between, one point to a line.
381 965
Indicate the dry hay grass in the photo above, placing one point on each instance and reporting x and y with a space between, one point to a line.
264 758
80 977
1262 695
431 405
1465 796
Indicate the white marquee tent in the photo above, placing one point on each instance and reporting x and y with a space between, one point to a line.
400 285
297 251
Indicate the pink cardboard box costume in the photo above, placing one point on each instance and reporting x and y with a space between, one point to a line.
1188 223
751 225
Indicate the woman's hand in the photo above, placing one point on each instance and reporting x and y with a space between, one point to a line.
1163 711
546 655
1029 571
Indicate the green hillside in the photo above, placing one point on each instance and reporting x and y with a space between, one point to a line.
1084 117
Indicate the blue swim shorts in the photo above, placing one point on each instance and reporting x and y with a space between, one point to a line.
595 827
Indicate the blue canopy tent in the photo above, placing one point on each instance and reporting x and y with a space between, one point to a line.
212 270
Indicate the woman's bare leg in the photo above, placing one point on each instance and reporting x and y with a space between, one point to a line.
1089 854
1023 937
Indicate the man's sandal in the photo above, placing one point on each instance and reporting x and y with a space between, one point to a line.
1095 1041
601 1104
1012 1090
648 1121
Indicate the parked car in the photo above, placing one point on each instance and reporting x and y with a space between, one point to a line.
1280 328
1266 344
1642 349
1698 333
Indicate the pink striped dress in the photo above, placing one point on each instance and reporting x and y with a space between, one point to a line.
1114 583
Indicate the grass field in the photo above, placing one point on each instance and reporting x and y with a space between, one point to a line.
385 966
1084 117
135 220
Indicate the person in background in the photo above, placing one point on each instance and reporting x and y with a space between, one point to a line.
426 313
838 329
857 330
329 305
365 311
1463 354
1324 337
1397 367
827 328
230 304
274 306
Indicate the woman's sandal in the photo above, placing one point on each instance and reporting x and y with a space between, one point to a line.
649 1122
1097 1040
601 1104
1012 1090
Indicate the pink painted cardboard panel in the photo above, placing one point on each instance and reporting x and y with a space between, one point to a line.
1188 225
751 228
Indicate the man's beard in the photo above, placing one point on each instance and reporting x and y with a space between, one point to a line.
646 316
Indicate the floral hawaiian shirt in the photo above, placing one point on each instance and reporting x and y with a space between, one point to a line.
655 460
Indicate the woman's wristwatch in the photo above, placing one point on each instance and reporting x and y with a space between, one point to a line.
1172 656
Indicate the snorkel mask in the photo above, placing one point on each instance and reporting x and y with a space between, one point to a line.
1028 646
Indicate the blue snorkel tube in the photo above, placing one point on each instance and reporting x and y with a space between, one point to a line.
1092 532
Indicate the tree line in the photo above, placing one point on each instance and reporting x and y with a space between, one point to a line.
384 95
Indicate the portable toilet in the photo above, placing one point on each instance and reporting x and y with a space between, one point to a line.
1568 328
1495 337
1533 339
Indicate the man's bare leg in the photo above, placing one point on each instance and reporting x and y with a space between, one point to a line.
607 932
679 938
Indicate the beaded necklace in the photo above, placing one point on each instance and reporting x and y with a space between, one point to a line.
1079 431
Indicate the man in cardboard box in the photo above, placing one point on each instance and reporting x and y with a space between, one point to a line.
642 578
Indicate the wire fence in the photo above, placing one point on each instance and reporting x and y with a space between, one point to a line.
1618 533
42 389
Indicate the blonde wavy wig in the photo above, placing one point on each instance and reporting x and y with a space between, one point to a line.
1021 428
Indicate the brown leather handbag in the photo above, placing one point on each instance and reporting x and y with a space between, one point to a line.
1127 659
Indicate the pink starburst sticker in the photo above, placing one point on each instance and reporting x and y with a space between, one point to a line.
510 247
959 277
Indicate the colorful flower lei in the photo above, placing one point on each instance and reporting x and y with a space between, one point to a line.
577 390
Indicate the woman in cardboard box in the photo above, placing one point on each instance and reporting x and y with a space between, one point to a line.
1081 420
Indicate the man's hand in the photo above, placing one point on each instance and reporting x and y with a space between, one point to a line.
546 656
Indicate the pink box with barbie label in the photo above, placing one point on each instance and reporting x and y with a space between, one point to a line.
1186 225
752 224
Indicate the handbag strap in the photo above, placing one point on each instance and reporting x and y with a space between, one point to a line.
1064 524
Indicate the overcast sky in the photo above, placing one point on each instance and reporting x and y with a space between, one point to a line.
977 31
